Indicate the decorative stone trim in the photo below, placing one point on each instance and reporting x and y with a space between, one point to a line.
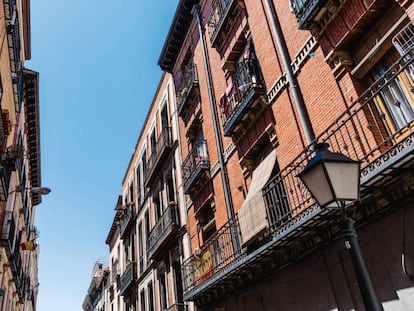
298 62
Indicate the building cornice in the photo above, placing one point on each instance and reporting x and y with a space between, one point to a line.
176 35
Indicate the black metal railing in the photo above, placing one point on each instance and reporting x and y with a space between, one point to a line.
359 132
125 222
127 278
178 307
246 83
115 271
215 254
14 44
8 234
164 142
164 227
219 13
303 9
196 161
188 83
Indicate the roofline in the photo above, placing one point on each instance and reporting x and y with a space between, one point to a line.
33 133
143 124
176 35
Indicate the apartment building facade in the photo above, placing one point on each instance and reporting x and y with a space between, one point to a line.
97 298
148 237
258 83
20 171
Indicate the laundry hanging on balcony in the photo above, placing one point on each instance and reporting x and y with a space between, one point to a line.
252 214
224 100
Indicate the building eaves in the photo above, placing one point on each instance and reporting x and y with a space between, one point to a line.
114 225
176 34
31 82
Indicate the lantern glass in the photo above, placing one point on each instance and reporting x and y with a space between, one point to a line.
316 181
332 178
344 179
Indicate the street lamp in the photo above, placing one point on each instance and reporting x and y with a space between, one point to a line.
333 180
36 190
40 190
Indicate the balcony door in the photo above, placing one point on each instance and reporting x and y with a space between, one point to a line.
395 99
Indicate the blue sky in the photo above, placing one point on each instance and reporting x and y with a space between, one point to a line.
98 73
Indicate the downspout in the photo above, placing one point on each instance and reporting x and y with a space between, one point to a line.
219 142
293 82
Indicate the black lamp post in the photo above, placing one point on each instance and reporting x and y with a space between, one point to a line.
333 180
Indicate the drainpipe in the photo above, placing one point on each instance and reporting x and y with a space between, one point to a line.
293 82
219 142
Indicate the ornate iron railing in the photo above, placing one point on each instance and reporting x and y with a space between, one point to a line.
188 81
127 278
125 222
163 228
219 13
8 233
14 50
304 8
164 141
196 161
246 83
360 133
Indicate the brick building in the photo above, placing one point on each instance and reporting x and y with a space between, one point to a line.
20 172
257 84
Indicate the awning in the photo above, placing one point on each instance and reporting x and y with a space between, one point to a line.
252 214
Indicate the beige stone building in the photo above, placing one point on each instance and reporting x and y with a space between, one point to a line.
148 239
20 175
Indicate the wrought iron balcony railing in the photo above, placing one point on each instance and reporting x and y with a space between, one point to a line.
164 229
161 149
186 89
247 86
8 233
305 9
13 38
360 133
126 223
195 165
220 12
127 278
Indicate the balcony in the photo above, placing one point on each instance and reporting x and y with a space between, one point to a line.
127 278
196 168
13 39
244 99
306 11
8 232
296 224
164 230
187 89
178 307
220 14
161 150
126 223
319 15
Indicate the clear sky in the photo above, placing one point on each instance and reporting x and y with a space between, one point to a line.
98 73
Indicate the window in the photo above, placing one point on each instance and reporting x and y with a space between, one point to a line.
140 248
142 300
163 289
139 186
164 117
153 141
150 297
395 99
